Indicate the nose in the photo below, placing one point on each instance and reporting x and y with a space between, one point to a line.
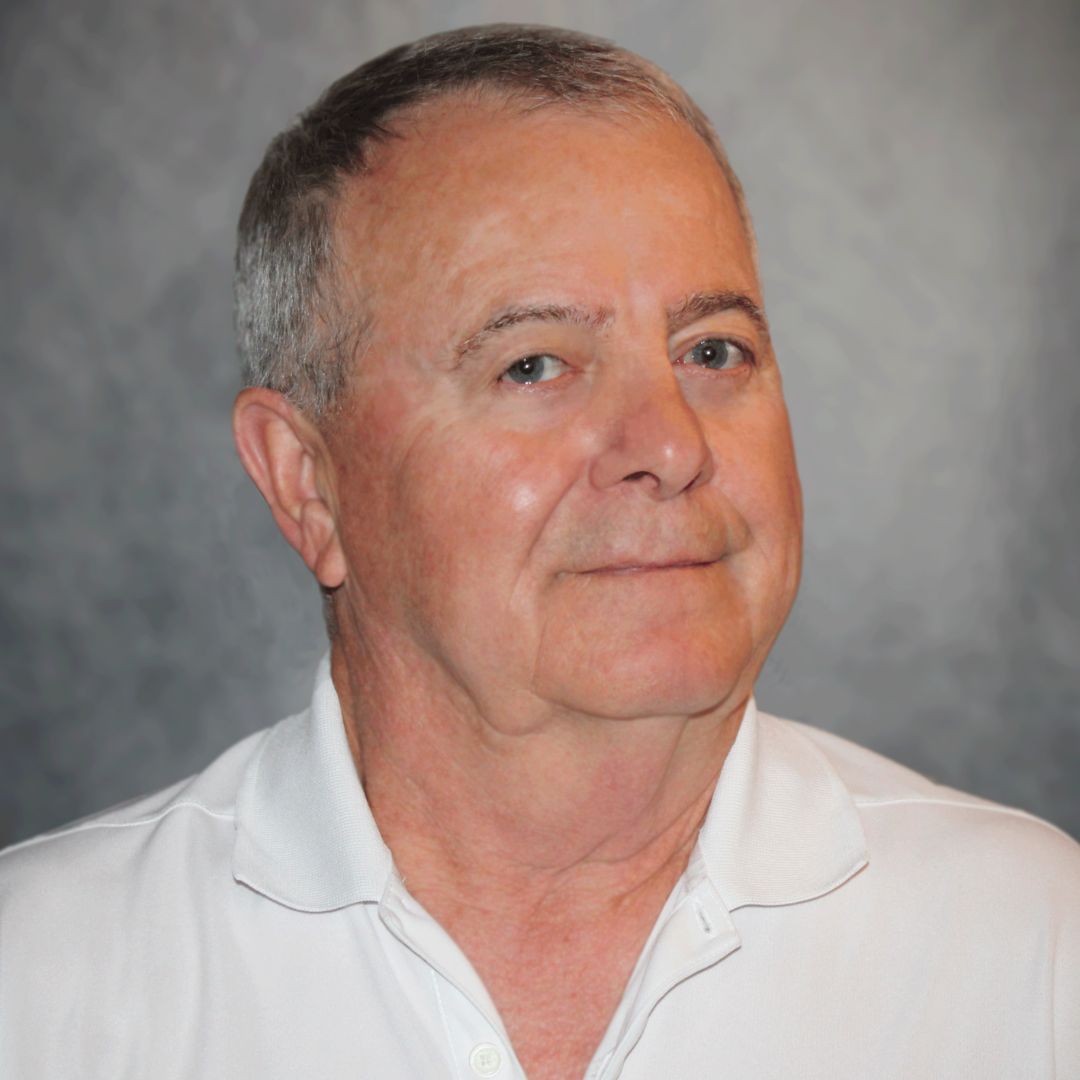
654 439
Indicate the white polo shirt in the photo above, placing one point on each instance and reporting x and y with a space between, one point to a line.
841 917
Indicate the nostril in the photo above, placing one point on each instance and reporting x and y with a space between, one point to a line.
637 475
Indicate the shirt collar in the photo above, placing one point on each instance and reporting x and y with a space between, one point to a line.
305 835
781 828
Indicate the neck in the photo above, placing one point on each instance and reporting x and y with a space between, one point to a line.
578 816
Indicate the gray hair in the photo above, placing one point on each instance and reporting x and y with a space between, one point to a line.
294 330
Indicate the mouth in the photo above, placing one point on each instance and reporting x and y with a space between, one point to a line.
653 567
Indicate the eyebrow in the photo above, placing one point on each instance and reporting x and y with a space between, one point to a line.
557 313
703 304
687 311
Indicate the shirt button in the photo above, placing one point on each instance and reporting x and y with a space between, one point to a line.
485 1059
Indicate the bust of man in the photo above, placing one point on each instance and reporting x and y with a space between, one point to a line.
511 397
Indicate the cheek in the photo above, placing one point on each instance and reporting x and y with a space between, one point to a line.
762 482
473 510
756 463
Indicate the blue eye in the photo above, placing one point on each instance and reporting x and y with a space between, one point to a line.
716 353
534 369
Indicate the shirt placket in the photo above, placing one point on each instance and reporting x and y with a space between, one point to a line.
696 934
477 1043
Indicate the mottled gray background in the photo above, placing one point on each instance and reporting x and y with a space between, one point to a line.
912 168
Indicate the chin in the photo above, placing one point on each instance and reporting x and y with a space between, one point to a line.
670 678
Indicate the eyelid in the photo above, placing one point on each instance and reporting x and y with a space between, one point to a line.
536 354
740 343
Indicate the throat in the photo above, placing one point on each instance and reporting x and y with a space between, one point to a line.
555 949
557 983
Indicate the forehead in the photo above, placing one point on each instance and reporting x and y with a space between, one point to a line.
480 201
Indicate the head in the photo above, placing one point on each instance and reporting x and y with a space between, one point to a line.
511 391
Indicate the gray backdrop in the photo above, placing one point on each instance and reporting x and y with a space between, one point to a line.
912 168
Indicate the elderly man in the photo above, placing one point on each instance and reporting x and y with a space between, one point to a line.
511 397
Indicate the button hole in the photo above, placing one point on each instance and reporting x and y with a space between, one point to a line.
704 920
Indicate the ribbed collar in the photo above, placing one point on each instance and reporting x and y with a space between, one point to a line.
782 828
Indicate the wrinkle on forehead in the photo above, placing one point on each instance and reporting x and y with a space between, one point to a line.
437 226
438 151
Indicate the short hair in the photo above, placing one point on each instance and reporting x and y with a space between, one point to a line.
294 332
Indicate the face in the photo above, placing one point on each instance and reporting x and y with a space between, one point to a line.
564 469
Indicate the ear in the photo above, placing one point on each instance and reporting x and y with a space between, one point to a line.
288 461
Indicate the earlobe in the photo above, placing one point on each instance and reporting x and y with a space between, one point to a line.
321 549
288 462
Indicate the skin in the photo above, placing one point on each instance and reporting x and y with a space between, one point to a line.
560 592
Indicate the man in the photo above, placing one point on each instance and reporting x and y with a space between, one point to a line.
512 399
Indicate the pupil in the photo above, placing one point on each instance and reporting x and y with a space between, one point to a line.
527 366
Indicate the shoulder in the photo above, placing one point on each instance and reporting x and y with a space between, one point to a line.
932 833
92 860
112 912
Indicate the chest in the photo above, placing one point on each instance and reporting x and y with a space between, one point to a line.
557 1001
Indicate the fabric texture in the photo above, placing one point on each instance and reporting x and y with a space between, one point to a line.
841 916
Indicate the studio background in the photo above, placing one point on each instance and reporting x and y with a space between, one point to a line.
912 169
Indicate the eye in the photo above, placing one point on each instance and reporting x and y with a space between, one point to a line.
717 353
543 367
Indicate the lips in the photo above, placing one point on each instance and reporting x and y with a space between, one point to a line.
638 567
